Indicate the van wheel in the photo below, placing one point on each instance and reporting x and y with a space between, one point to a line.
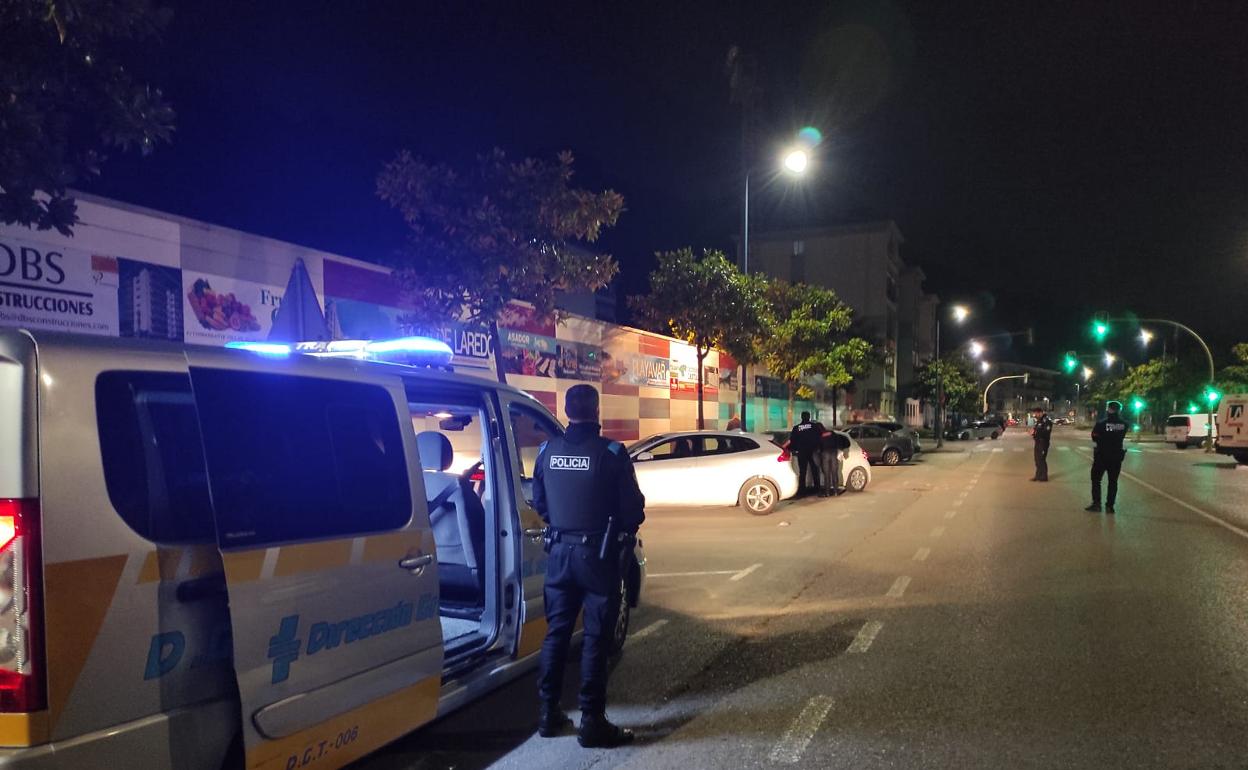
892 457
758 496
857 480
620 634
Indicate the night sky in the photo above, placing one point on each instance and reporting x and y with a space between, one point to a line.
1043 163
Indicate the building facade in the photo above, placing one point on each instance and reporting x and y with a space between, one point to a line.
862 263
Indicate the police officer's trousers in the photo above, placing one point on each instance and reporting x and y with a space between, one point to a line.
807 460
576 578
1105 464
1041 454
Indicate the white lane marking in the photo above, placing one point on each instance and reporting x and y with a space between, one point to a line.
938 531
795 740
898 587
1215 519
922 554
950 514
843 516
998 449
745 572
655 575
1063 449
1019 449
805 537
650 629
957 502
866 635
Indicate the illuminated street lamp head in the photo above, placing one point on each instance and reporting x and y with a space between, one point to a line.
796 161
977 348
1146 336
984 366
1087 373
961 313
1110 358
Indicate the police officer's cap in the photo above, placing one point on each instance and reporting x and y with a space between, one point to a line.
1114 405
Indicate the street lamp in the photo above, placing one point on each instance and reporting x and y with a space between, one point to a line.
796 162
1087 373
960 314
1110 358
984 366
977 348
1146 336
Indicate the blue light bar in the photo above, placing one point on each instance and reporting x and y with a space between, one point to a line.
422 345
263 348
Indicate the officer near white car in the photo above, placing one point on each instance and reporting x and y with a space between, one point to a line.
586 491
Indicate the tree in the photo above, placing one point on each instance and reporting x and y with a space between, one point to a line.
806 334
68 97
499 231
707 302
958 382
1234 378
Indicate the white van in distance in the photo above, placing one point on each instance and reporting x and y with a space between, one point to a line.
1184 430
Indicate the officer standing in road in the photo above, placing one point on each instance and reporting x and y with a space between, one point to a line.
1041 433
831 445
586 491
1107 457
804 439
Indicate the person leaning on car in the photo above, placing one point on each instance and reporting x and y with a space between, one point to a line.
831 445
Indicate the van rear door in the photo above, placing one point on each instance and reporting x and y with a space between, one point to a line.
328 554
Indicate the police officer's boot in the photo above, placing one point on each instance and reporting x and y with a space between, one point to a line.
552 721
596 732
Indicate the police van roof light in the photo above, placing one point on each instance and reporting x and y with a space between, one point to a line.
263 348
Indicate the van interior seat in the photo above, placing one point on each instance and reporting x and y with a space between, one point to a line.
458 522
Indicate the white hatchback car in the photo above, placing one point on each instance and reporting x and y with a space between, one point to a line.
713 468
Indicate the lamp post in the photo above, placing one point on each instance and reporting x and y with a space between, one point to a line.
795 161
960 314
1024 377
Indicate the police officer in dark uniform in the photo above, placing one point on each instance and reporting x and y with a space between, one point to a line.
831 444
805 439
1107 457
586 491
1042 434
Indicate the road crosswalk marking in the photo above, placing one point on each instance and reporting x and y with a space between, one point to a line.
938 531
745 572
650 629
795 740
997 450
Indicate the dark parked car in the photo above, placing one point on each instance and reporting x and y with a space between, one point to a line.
893 427
979 429
883 445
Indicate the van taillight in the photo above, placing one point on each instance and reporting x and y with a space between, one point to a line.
21 613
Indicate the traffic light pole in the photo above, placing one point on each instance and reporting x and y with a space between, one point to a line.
940 396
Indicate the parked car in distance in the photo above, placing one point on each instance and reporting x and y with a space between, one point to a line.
896 426
713 468
1061 421
977 429
882 445
1184 430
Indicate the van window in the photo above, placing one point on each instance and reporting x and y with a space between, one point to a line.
1179 421
531 429
300 458
153 457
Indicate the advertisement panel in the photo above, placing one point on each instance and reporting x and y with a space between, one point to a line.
579 361
218 309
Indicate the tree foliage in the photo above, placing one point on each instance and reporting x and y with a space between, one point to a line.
68 97
958 381
1234 378
707 302
806 335
499 231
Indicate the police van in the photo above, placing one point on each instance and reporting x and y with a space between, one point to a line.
1233 427
283 557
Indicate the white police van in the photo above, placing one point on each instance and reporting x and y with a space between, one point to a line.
217 557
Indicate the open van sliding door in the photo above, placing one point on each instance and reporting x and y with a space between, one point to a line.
328 554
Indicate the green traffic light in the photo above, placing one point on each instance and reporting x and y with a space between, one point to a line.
1138 404
1100 330
1071 363
1212 396
1192 409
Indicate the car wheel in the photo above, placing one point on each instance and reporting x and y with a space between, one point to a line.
892 457
995 435
620 634
965 437
1241 458
857 480
758 496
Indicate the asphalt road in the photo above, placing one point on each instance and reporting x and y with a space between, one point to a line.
953 615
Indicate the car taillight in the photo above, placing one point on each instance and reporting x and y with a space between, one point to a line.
21 618
784 456
477 475
866 456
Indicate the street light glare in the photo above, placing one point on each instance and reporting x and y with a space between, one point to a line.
1146 336
1110 358
984 366
1087 373
796 161
977 348
961 313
